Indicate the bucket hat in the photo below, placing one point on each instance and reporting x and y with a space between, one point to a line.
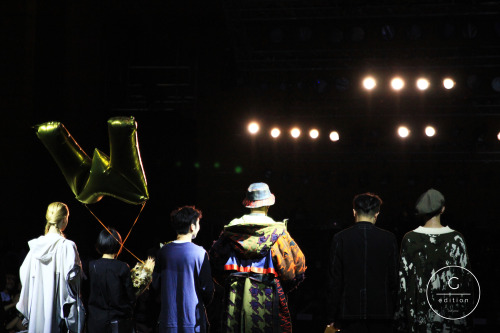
258 195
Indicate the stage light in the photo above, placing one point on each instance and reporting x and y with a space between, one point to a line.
275 132
430 131
342 83
397 83
253 128
498 136
334 136
470 31
321 86
276 35
448 30
388 32
295 132
314 133
304 34
423 84
403 131
414 32
495 84
357 34
474 82
369 83
448 83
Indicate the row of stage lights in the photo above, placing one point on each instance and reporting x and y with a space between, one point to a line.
295 132
398 83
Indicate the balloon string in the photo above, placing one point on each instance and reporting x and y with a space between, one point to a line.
137 218
121 243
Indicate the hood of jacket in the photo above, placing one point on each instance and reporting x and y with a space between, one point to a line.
44 247
252 236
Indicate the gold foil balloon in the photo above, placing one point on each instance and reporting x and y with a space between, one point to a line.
121 175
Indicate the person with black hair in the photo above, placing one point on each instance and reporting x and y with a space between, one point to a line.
112 296
183 276
362 275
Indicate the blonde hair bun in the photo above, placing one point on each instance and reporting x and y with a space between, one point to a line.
56 212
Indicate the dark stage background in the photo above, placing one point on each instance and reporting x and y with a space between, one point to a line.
193 73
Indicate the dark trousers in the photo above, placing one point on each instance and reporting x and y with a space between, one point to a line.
367 326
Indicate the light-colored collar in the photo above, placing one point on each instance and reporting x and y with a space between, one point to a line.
433 231
180 241
255 219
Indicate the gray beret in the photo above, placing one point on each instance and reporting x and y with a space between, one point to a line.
430 202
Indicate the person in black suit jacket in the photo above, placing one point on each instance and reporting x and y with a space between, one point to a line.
362 273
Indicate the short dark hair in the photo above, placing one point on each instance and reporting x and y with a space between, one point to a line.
108 242
367 204
182 218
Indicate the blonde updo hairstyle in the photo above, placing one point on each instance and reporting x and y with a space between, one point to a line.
57 213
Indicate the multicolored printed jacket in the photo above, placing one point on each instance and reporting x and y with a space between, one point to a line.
256 253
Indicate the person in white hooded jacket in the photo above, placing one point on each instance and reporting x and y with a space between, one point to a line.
50 277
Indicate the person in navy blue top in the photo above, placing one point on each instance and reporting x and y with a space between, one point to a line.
183 276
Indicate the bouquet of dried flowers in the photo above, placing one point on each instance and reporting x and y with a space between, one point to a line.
142 274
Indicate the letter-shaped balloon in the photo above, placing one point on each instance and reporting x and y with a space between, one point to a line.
121 175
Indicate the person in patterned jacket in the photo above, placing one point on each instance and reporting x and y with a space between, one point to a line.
257 262
432 257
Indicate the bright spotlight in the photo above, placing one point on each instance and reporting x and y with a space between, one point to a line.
397 83
369 83
403 131
334 136
448 83
423 84
498 136
253 128
295 132
314 133
430 131
275 132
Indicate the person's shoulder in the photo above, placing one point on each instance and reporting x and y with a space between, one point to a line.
410 234
412 237
453 231
198 248
346 231
385 232
68 244
122 265
115 263
184 246
457 235
192 251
